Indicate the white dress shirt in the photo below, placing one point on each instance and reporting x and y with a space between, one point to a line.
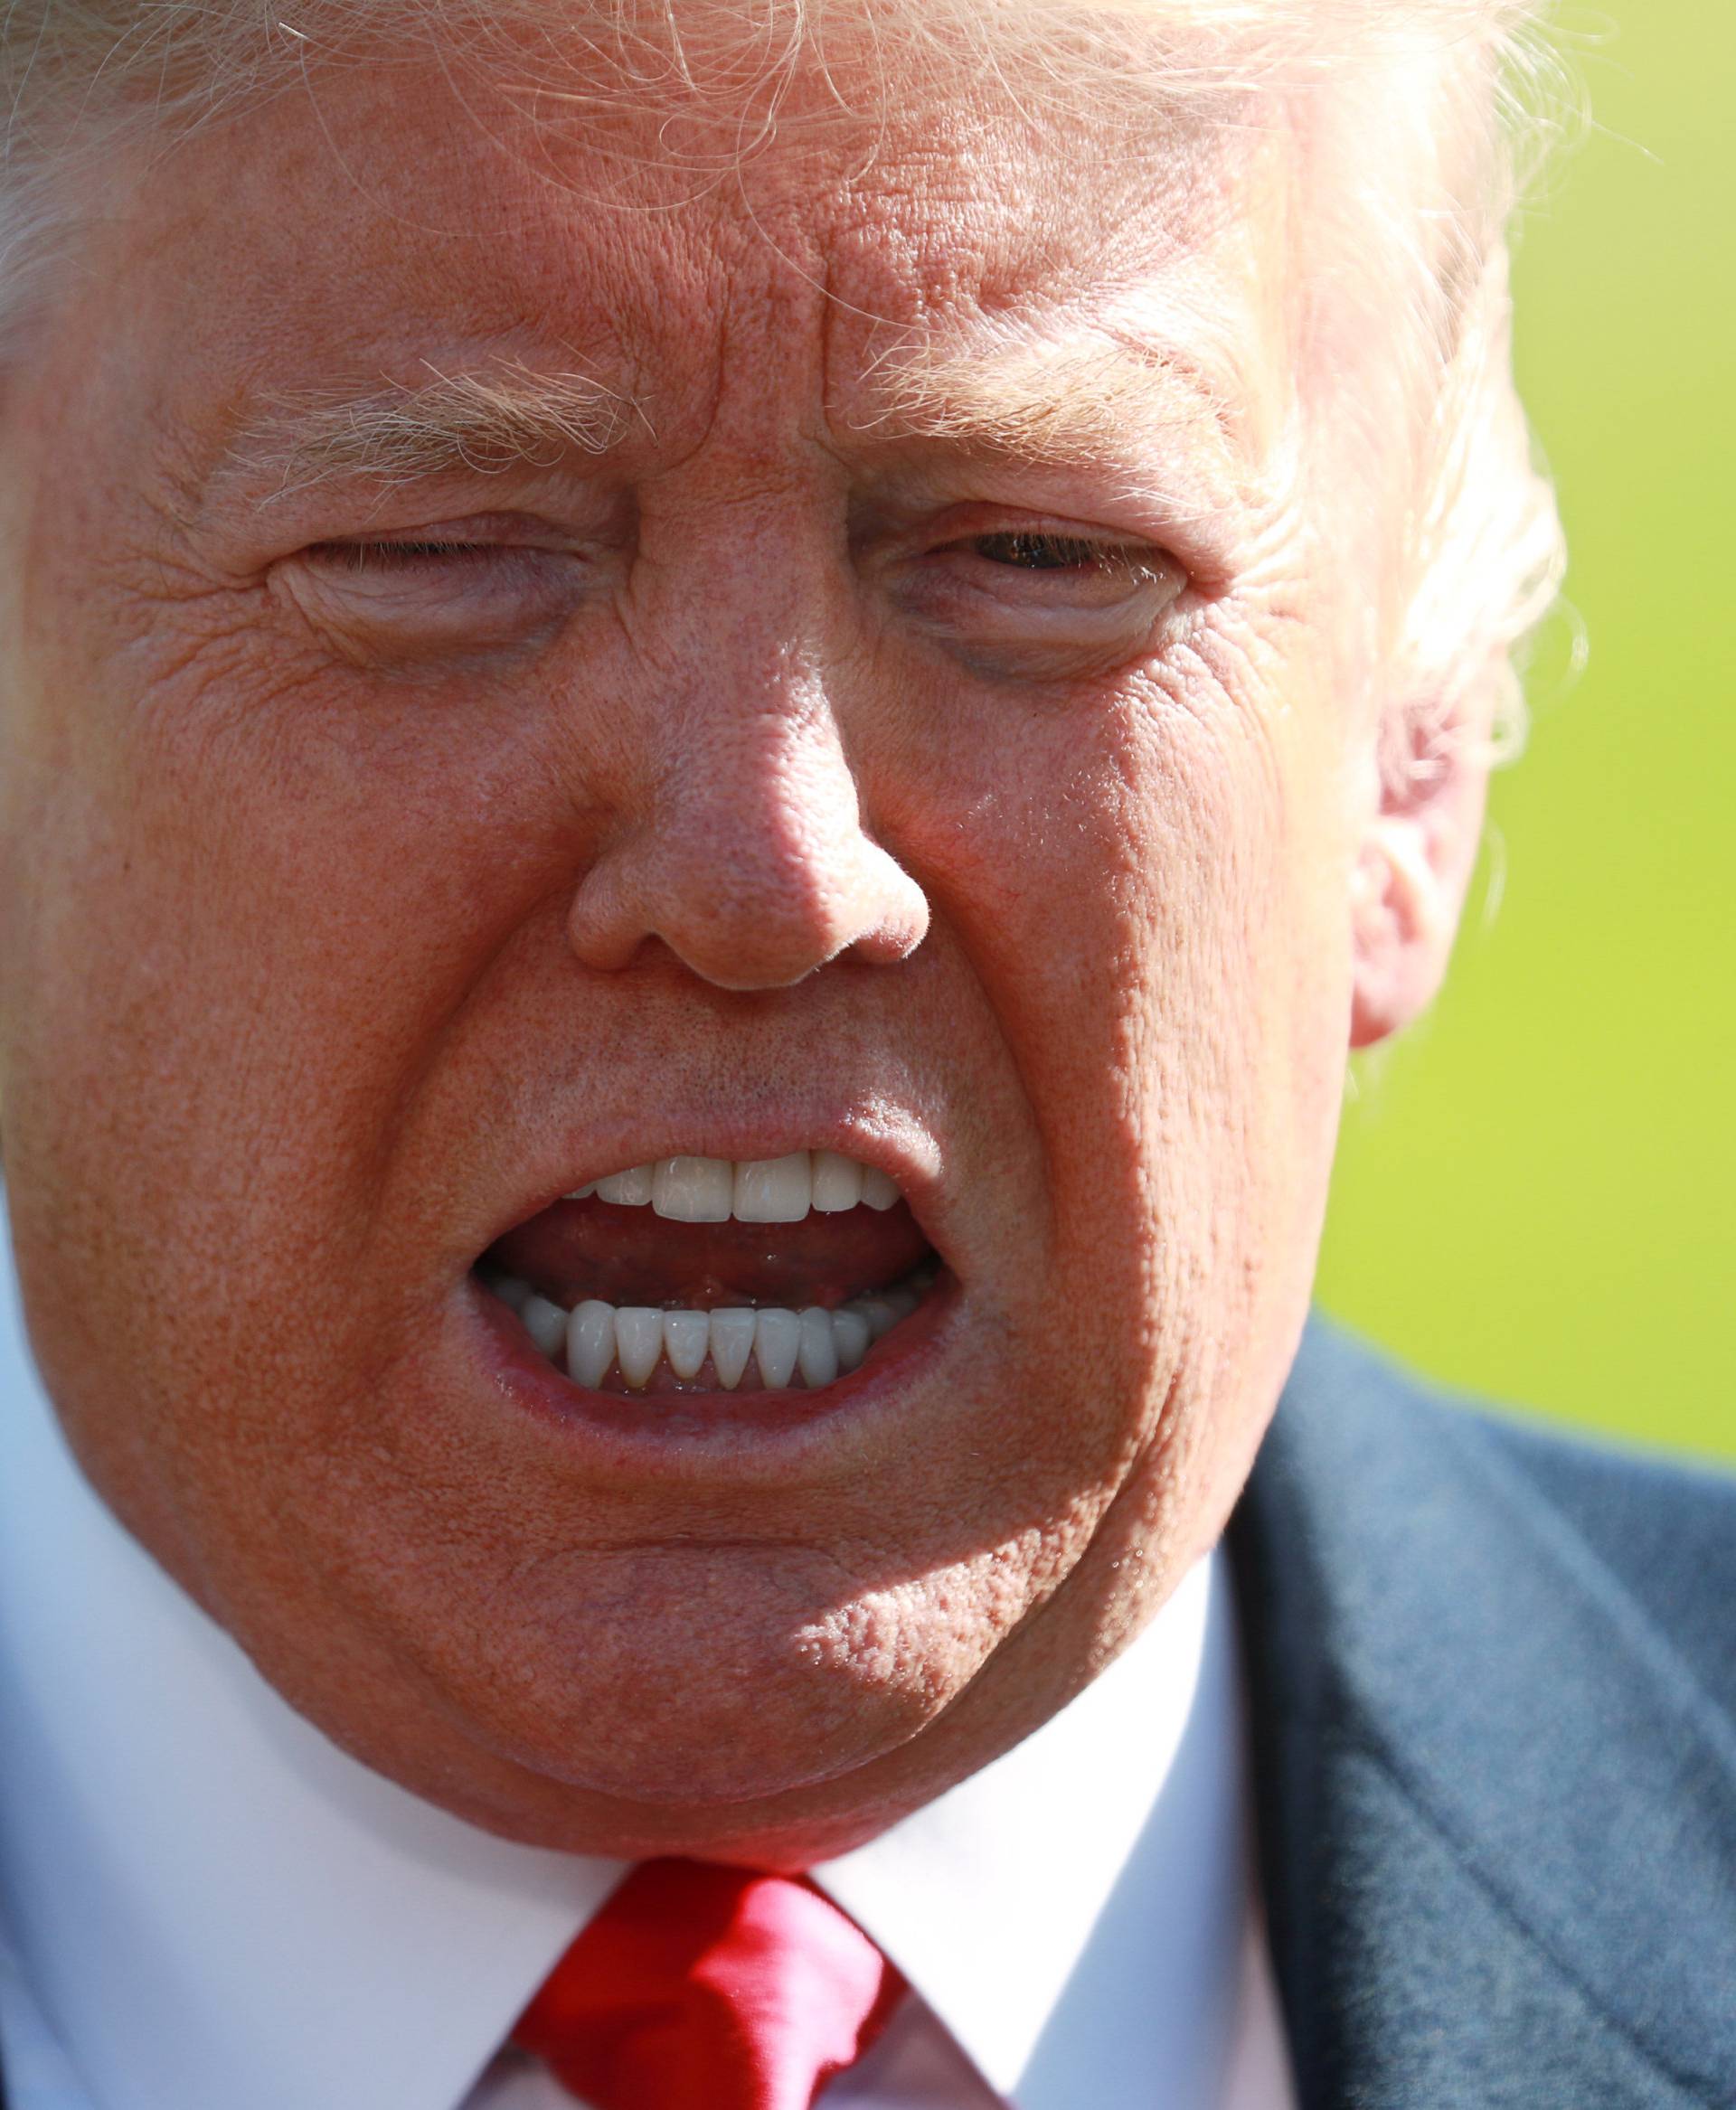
207 1906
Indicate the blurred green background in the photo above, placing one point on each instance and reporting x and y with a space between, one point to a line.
1536 1189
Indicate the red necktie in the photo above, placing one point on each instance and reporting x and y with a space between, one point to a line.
706 1988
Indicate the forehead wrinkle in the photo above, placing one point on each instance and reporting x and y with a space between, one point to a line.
507 416
1174 330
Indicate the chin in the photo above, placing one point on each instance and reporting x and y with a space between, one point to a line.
683 1685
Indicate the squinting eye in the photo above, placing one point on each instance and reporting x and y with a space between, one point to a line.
412 597
1030 600
1033 551
398 556
1099 568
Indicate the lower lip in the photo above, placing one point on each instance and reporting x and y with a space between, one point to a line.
698 1427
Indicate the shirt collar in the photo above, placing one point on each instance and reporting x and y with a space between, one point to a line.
1096 1872
214 1904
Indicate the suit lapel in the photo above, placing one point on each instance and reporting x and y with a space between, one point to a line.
1495 1809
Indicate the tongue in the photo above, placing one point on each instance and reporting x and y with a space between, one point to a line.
591 1248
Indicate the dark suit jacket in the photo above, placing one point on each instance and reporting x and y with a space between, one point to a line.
1493 1679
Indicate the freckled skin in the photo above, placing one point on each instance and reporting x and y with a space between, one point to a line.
316 964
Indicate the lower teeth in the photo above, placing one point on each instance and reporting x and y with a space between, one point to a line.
715 1350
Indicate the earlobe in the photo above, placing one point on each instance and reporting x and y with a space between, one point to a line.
1409 886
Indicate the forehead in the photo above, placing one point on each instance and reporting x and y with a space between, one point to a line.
385 223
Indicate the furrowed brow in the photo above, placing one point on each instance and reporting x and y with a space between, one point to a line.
506 418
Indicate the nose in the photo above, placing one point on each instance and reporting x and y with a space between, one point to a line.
749 856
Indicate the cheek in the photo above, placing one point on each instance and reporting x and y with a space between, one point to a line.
1233 1039
1152 893
275 919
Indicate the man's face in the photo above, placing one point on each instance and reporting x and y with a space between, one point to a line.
899 713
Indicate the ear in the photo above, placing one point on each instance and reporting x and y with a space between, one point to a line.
1410 878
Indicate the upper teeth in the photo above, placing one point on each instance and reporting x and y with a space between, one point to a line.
761 1189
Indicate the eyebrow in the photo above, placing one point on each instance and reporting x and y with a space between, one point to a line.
1069 402
508 416
1063 400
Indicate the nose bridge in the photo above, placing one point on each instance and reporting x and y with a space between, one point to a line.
749 857
749 628
760 754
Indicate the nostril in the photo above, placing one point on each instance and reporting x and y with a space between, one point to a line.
605 925
904 911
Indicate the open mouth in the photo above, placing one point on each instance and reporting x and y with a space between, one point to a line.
711 1274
